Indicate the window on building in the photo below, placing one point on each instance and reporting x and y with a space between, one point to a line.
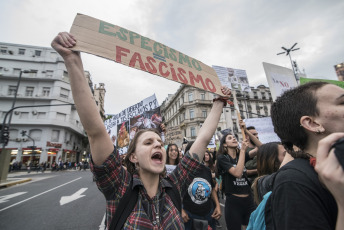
64 93
192 114
46 91
3 50
235 127
202 96
193 132
12 90
61 116
190 96
29 91
33 73
204 113
41 115
65 74
24 115
49 73
233 114
16 71
35 134
38 53
21 51
55 136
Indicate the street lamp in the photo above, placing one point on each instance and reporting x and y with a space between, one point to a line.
287 53
16 92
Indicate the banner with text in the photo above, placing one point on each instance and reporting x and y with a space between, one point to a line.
123 126
134 50
235 79
280 79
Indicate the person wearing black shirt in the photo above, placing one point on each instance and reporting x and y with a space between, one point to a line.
302 117
239 199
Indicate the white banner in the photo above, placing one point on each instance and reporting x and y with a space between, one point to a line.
264 128
279 78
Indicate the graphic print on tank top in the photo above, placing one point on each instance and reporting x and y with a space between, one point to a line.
199 190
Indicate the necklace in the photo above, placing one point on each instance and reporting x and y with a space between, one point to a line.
156 210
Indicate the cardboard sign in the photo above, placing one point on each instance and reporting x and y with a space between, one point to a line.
134 50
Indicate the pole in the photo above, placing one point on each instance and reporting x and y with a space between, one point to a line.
292 66
239 116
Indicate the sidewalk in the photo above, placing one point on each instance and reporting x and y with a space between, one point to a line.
13 179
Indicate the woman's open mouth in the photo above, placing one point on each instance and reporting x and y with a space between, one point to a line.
157 157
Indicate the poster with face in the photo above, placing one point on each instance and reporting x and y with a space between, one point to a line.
235 79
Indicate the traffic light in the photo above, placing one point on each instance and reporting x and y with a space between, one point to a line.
23 133
5 135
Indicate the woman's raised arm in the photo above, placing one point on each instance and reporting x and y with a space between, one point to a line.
101 145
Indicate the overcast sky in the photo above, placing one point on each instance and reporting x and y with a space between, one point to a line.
237 34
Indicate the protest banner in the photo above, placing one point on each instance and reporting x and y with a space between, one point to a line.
123 126
174 135
169 168
337 83
279 79
264 128
134 50
233 78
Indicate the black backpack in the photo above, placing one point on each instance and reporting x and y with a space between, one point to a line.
129 200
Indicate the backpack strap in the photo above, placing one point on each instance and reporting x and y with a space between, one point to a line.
173 193
125 207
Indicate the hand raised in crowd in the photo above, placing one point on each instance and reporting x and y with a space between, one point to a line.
62 42
226 91
244 145
242 124
185 216
330 171
163 127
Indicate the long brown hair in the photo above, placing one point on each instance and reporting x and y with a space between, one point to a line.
132 148
267 163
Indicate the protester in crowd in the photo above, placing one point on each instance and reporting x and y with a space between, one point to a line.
172 154
269 159
301 117
331 172
252 148
145 158
231 165
197 204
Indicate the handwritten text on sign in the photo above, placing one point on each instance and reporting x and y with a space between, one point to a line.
129 48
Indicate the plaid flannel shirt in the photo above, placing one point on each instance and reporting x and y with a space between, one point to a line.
113 181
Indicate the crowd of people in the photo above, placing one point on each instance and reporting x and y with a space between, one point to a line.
43 166
295 184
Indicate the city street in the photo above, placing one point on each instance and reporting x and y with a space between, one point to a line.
57 200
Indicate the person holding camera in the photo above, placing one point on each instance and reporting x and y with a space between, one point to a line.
302 117
331 170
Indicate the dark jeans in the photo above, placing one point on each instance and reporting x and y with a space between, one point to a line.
238 211
211 221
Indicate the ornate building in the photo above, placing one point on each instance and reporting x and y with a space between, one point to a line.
55 131
186 110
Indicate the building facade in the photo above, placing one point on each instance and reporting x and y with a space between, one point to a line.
186 110
51 132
